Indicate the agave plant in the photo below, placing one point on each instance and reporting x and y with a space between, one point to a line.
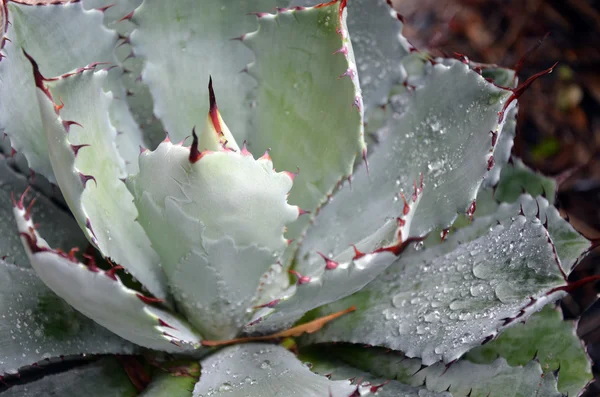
206 272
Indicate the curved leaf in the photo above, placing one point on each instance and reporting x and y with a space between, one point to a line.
440 303
257 370
12 184
81 143
105 378
59 35
101 296
309 110
36 324
65 37
449 147
335 281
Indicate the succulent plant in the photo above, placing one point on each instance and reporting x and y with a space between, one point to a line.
260 234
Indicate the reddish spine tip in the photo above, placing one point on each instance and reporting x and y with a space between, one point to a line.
471 210
127 17
406 208
76 148
268 304
28 210
494 137
301 279
329 264
195 155
266 156
164 324
91 263
85 178
68 123
292 175
148 300
213 109
491 163
365 160
244 150
110 273
103 9
357 253
302 212
21 203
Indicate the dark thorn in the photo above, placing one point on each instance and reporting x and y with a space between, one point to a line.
148 300
68 123
195 155
85 178
76 148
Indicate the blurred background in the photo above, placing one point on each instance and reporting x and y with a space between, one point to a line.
559 115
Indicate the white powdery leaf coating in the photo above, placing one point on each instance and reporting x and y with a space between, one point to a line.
440 131
35 324
101 296
104 378
442 302
90 177
172 37
217 224
263 371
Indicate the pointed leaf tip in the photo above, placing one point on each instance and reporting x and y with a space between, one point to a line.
213 108
195 154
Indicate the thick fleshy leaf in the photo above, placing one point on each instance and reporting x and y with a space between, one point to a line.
309 110
449 147
105 378
132 90
440 303
63 37
81 143
172 37
462 378
177 380
101 296
36 324
379 47
59 36
217 220
46 211
549 338
340 275
260 370
336 280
